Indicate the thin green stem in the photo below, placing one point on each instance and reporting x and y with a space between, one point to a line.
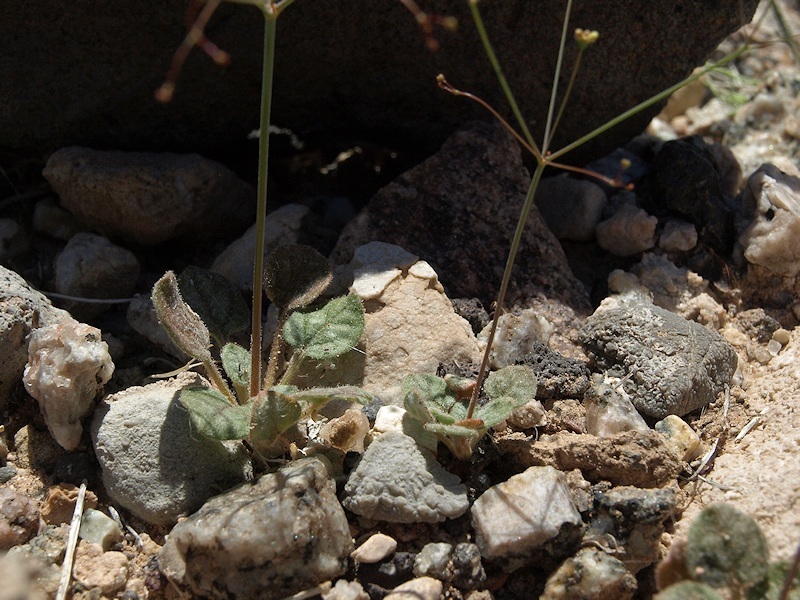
487 46
270 27
554 89
649 102
501 296
567 94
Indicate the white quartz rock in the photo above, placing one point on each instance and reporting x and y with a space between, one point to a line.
68 364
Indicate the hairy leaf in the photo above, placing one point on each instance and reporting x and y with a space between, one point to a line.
236 362
295 276
181 323
274 413
328 332
217 301
213 416
517 381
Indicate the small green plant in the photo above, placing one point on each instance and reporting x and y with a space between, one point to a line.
726 549
295 277
442 405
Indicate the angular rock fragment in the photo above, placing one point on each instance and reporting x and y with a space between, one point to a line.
399 482
513 518
609 409
669 365
68 363
556 376
282 534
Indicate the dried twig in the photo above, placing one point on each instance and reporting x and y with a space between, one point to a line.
72 542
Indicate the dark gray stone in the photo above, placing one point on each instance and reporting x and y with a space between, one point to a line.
356 68
671 366
557 376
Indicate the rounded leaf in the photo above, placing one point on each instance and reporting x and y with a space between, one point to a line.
213 416
726 548
182 324
328 332
295 276
217 301
517 382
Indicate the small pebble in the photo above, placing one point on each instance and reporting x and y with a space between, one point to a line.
19 518
773 347
375 549
422 588
97 569
781 336
98 528
680 437
346 590
6 473
60 503
433 560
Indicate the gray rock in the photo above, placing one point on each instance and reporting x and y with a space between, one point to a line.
518 334
97 528
269 539
458 211
22 310
570 207
51 219
556 376
150 198
771 239
635 518
333 85
90 266
627 232
433 560
466 567
399 482
502 518
670 365
591 573
68 363
151 462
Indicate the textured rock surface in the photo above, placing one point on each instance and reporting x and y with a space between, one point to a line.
458 210
556 376
106 571
22 310
151 462
675 366
90 266
410 325
19 518
518 334
591 573
326 82
609 409
771 239
150 198
638 458
399 482
627 232
523 513
272 538
68 363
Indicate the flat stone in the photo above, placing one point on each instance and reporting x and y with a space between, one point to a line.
669 365
152 463
637 458
150 198
282 534
399 482
523 513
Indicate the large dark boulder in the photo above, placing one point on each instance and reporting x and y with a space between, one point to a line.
83 73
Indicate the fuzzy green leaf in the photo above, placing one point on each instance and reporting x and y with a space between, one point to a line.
236 362
726 548
496 410
213 416
328 332
453 431
771 586
316 398
216 300
416 407
295 276
517 382
274 413
181 323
